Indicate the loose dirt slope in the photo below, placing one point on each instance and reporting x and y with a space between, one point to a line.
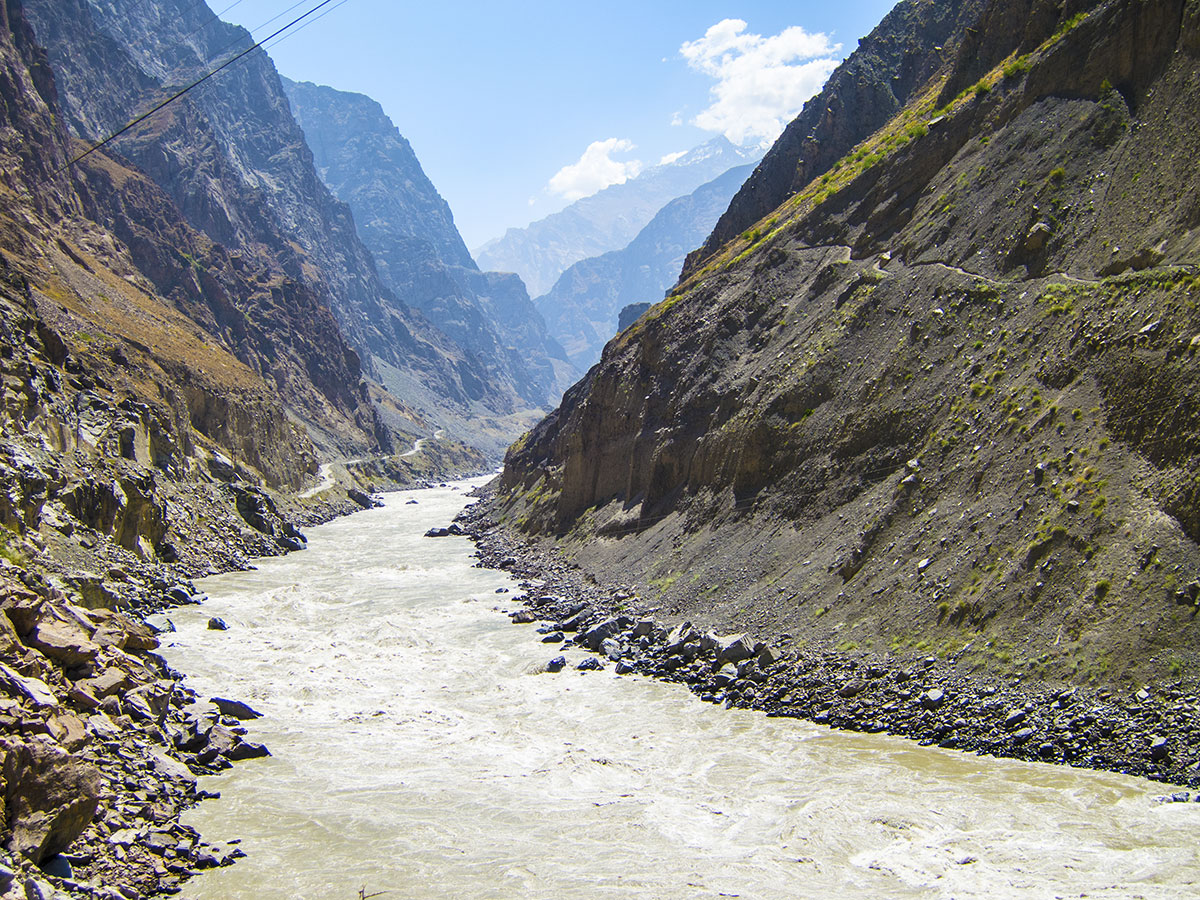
941 398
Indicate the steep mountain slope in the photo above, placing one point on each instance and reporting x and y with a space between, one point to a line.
893 62
232 158
942 398
582 308
605 221
420 255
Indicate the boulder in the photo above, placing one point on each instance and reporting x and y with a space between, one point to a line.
734 649
50 797
852 688
1158 748
557 664
33 688
107 683
216 623
933 698
170 769
595 636
247 750
235 708
63 642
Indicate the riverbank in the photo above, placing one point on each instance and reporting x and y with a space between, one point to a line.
101 742
1152 731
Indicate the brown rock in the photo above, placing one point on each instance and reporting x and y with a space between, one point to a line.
107 683
63 642
68 730
49 795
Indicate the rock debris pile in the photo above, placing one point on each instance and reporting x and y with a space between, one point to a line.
100 749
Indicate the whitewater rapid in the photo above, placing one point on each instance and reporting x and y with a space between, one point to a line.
418 752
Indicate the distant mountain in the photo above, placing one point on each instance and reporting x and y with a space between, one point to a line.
419 254
605 221
583 307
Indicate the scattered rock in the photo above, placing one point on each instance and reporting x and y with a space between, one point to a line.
217 624
235 708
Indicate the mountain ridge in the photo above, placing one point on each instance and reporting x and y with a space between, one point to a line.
935 402
604 221
584 306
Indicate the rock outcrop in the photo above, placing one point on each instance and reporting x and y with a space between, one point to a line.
939 400
231 159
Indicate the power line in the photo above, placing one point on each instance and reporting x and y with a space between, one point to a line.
182 91
310 22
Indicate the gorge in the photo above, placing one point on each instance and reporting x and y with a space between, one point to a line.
899 478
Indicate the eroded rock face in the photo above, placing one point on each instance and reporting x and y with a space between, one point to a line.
50 797
892 411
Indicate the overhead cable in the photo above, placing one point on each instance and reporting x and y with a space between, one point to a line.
189 87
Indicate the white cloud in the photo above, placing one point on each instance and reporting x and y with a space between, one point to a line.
595 170
762 82
671 157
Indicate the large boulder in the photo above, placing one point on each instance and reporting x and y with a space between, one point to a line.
64 642
50 796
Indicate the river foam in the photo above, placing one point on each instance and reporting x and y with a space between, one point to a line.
418 753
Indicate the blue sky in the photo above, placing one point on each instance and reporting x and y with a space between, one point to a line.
500 98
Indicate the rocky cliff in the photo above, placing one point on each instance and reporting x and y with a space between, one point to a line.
419 253
937 400
583 307
233 160
162 398
605 221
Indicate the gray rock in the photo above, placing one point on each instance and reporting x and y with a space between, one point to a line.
611 648
1015 717
725 676
624 667
247 750
235 708
554 637
933 698
595 636
557 664
1023 735
734 649
217 624
1158 748
851 688
591 664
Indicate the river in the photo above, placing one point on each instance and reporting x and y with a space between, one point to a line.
419 753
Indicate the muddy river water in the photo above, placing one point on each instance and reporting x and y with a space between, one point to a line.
419 753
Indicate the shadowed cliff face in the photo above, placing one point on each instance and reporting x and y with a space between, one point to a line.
410 231
942 397
232 158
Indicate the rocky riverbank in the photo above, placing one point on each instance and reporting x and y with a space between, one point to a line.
1151 731
101 746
